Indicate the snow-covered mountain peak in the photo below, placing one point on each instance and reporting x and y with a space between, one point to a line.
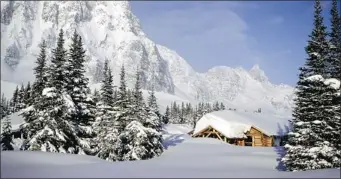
258 74
111 31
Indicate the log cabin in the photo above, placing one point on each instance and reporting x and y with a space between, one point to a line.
243 129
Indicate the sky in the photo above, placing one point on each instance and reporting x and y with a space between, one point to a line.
233 33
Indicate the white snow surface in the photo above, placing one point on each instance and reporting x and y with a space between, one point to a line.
111 31
332 82
184 157
234 124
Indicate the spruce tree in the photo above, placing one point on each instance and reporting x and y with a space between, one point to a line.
154 117
107 91
182 113
77 88
14 101
27 95
40 71
307 142
122 107
216 106
334 59
6 134
140 143
166 117
48 125
4 106
57 71
105 144
222 106
21 98
139 106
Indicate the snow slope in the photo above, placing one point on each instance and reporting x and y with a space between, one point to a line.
186 157
111 31
233 124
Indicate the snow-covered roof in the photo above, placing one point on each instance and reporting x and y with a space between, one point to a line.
234 124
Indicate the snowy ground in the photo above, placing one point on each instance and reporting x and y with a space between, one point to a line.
184 157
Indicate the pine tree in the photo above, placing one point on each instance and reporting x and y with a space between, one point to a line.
334 59
222 106
122 106
14 101
40 72
140 143
6 135
57 71
48 125
27 101
166 117
154 117
107 92
105 145
307 144
216 106
20 99
139 106
77 88
182 113
4 106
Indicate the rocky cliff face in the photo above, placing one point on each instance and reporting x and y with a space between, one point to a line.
111 31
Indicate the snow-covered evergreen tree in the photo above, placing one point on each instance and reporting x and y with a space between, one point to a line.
47 127
216 106
140 143
77 88
308 146
107 90
222 106
40 72
6 134
334 60
154 118
4 110
14 101
57 72
105 144
166 117
21 98
48 122
122 106
139 106
27 101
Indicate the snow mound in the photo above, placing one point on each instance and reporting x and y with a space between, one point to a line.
234 124
332 82
187 160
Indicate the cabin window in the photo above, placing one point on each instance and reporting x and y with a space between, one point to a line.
248 141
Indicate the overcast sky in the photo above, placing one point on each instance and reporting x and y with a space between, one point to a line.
207 34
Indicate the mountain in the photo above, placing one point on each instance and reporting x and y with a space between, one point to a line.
111 31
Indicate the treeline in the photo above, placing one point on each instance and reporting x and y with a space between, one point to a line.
62 115
20 100
185 113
